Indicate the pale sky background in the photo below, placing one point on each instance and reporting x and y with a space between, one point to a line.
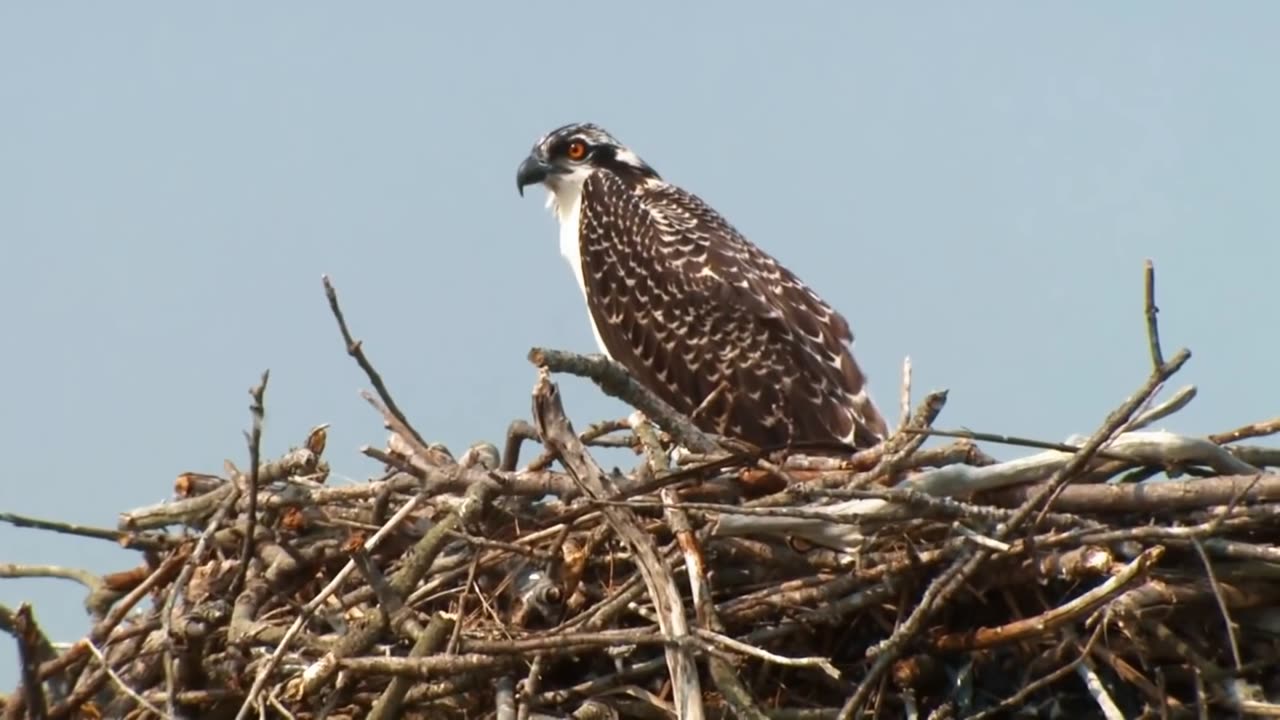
975 185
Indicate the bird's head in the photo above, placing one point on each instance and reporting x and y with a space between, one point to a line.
564 158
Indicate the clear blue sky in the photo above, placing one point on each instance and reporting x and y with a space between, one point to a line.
975 185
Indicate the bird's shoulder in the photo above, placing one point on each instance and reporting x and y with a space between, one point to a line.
700 248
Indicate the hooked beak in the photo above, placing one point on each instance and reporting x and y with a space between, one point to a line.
531 171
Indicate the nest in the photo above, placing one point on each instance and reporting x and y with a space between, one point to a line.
1132 573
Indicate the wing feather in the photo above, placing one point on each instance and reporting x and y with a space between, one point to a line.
687 304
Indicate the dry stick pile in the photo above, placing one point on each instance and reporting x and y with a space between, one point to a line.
899 581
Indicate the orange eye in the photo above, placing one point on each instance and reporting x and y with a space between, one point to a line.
577 150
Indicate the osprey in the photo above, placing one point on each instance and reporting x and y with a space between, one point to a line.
706 320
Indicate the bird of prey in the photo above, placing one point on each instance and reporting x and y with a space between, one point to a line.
695 312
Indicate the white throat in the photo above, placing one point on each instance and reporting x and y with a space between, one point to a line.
566 202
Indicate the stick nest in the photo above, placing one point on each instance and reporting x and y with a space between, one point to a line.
1133 573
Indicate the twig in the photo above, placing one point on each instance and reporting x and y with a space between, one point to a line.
28 635
132 540
468 585
530 686
615 381
389 601
596 686
44 651
1150 310
1084 668
1127 672
423 668
1049 621
355 348
436 480
124 686
425 455
84 577
254 438
710 400
505 700
1015 441
654 454
904 401
760 654
593 432
958 480
979 539
1020 697
388 704
1252 430
1156 448
1227 622
900 447
517 433
189 511
1257 456
168 569
1180 400
1113 422
1165 496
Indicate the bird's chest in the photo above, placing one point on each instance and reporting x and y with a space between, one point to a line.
569 213
570 216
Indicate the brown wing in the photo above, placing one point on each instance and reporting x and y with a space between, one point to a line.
686 304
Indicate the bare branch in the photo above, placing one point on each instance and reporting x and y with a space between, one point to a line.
251 484
614 380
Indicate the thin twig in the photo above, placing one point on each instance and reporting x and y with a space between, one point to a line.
1252 430
28 635
1110 711
254 438
124 686
84 577
389 703
126 539
1020 697
1228 623
738 646
1049 621
904 400
355 348
1178 401
1149 310
1016 441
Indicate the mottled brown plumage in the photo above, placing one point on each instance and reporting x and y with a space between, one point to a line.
680 298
